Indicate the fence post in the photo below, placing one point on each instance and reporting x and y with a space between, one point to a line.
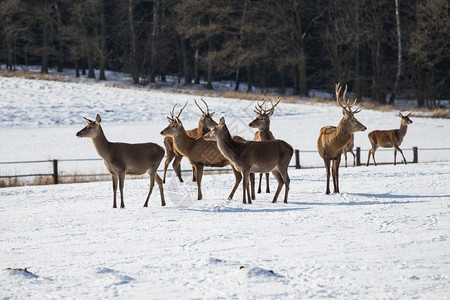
415 155
358 156
55 171
297 159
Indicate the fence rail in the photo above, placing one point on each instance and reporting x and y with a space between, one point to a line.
55 174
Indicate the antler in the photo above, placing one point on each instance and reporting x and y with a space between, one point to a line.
207 108
346 103
171 118
181 110
259 110
272 110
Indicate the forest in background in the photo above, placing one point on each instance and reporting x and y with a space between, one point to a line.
381 48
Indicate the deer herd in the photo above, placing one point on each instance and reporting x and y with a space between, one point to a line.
211 144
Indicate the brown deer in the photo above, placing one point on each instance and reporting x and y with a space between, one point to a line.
198 151
332 140
389 139
204 124
121 159
262 123
250 157
349 148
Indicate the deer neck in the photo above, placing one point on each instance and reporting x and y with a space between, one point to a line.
228 147
101 144
402 130
183 142
265 134
343 135
202 129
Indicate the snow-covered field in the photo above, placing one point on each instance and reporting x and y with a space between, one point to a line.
387 235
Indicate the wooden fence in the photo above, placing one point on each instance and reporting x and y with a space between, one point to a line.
297 163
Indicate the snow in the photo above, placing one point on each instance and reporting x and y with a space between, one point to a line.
385 236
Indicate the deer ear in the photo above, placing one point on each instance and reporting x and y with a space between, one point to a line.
178 121
400 115
98 119
87 120
222 121
211 114
345 112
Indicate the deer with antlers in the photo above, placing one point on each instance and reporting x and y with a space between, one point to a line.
204 124
198 151
251 157
121 159
332 140
389 139
262 123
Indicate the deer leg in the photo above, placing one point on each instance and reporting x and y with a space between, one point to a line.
401 152
267 183
169 157
287 182
336 163
152 184
252 185
395 156
199 169
121 183
161 191
354 157
176 166
279 178
345 156
238 178
245 187
115 180
259 185
327 168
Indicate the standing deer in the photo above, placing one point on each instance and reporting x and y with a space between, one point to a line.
251 157
332 140
198 151
389 139
121 159
204 124
262 123
349 148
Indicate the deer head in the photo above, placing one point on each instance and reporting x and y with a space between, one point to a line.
405 119
175 124
349 120
206 118
92 128
263 115
217 131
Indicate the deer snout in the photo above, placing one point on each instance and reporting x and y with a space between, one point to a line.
162 132
79 134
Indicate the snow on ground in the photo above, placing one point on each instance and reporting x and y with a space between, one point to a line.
385 236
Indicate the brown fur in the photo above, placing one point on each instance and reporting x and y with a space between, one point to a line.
262 123
332 140
251 157
121 159
389 139
204 124
199 152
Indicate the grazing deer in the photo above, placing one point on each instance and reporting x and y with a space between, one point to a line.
262 123
250 157
121 159
198 151
204 124
332 140
389 139
349 148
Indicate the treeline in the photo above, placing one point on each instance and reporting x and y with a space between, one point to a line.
380 47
